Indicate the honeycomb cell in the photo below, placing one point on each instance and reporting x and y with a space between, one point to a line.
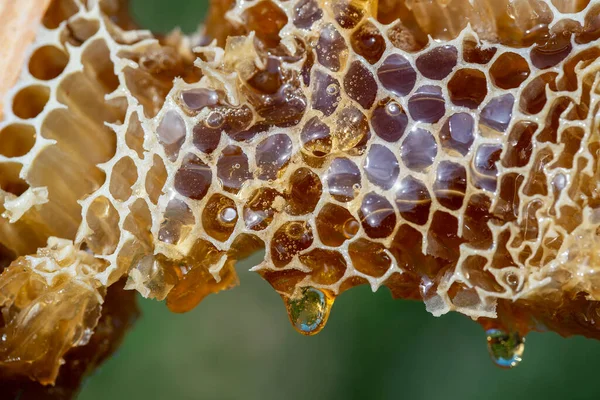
450 184
199 98
290 239
261 208
467 88
266 19
219 217
484 170
326 266
456 135
316 138
10 181
389 120
413 200
537 183
476 53
193 179
497 114
59 11
348 13
427 104
335 225
360 85
533 98
79 31
134 137
306 13
377 216
178 222
418 150
305 189
207 133
570 6
155 179
331 49
397 75
507 206
369 258
351 129
171 133
103 220
405 39
326 93
48 62
16 140
272 155
476 231
520 144
343 179
552 51
381 166
124 175
367 41
438 62
233 169
442 237
30 101
509 71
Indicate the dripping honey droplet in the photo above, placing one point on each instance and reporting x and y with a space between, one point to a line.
308 313
505 348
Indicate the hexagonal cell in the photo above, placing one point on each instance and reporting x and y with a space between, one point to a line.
438 62
377 216
456 135
367 41
427 104
335 225
16 140
360 85
381 166
306 13
103 220
331 49
450 184
343 179
194 178
266 19
272 156
326 266
413 200
178 221
509 71
290 239
219 217
233 169
397 75
467 87
369 258
261 207
30 101
48 62
304 192
155 179
123 175
389 120
418 150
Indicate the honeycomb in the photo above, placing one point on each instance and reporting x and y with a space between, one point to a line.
445 149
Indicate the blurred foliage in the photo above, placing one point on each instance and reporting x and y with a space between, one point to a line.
240 345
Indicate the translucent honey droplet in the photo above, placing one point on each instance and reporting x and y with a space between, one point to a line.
506 348
308 313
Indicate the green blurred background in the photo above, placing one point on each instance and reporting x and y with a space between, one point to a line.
240 345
